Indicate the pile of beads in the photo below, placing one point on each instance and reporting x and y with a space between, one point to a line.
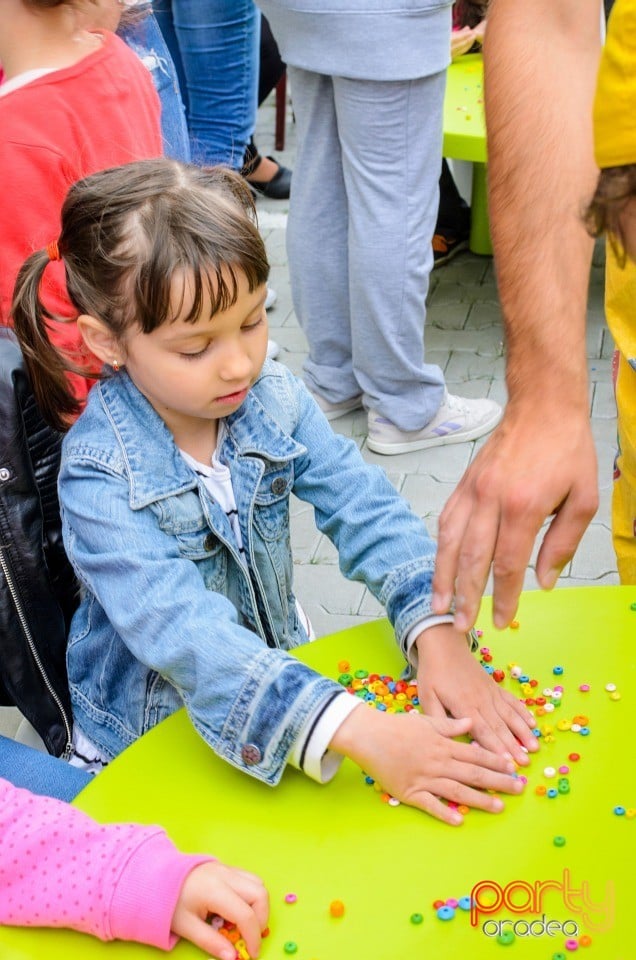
446 909
379 690
231 933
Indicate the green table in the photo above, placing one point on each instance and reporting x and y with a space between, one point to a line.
465 138
386 863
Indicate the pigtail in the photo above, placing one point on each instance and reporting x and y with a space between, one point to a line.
46 366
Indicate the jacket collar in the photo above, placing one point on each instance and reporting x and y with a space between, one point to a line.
156 469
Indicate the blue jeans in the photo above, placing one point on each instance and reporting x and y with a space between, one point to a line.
215 48
39 772
146 40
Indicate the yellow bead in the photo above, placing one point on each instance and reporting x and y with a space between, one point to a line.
615 695
564 724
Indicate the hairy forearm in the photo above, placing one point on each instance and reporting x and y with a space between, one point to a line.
540 63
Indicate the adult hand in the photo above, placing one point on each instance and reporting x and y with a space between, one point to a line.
450 680
416 760
538 463
235 895
461 42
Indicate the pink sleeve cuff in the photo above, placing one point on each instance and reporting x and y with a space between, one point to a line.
146 895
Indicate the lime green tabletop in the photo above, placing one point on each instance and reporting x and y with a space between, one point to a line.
464 123
387 863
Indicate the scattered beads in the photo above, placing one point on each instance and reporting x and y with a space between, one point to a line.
445 913
584 688
620 811
585 940
290 947
506 937
571 945
514 624
336 908
416 918
291 897
557 671
610 687
559 841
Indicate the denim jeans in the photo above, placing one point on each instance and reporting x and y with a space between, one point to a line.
215 49
38 772
146 40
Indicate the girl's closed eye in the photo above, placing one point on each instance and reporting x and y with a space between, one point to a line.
198 353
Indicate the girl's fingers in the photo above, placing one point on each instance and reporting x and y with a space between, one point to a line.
483 779
205 937
465 795
251 889
234 908
478 756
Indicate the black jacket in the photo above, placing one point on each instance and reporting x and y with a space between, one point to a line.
38 591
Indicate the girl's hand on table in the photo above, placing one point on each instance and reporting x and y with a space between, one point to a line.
451 681
461 42
415 759
235 895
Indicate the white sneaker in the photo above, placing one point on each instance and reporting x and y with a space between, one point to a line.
273 349
270 298
334 410
457 420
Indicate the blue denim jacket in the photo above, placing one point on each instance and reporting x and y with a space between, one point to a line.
170 616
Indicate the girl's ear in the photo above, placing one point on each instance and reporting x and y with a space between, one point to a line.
99 339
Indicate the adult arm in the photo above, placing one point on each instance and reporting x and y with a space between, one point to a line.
540 67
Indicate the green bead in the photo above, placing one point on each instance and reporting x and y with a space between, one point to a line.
559 841
632 606
290 947
416 918
361 674
564 785
345 679
506 938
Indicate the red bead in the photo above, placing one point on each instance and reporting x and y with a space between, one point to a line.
540 701
487 657
437 904
534 683
498 676
574 757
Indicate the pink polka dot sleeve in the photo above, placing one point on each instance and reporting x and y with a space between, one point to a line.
59 868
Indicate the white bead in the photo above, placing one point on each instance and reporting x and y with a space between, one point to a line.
547 692
515 672
610 687
549 772
576 728
548 707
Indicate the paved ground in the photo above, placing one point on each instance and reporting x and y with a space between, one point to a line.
464 336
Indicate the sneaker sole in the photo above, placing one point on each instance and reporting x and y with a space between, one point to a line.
336 414
445 258
409 446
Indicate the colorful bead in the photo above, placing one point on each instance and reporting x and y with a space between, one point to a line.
291 898
571 945
573 757
559 841
552 793
549 772
452 902
464 903
620 811
584 688
514 624
540 790
557 671
506 937
585 940
563 769
610 687
630 813
437 904
290 947
585 731
445 913
336 908
416 918
615 695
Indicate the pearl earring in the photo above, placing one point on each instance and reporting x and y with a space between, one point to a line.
116 366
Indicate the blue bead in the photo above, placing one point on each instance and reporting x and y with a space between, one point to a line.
391 686
369 780
619 811
536 732
381 706
524 678
464 903
584 731
415 701
445 913
488 667
557 671
552 793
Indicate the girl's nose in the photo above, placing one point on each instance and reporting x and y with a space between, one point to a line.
235 364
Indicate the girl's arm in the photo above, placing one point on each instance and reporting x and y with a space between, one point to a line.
115 881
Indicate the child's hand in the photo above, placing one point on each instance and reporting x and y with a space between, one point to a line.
235 895
479 32
450 680
461 42
415 760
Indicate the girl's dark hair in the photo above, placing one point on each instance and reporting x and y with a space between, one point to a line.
125 233
468 13
615 188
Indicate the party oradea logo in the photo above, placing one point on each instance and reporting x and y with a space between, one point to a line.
583 907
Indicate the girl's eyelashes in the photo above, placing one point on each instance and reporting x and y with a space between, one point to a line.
199 353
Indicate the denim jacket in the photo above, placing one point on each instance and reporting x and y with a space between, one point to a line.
170 616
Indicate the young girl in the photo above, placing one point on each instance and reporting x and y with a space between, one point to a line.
175 486
115 881
73 100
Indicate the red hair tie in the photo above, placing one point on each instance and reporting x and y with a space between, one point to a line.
53 251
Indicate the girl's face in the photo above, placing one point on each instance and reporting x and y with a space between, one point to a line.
195 373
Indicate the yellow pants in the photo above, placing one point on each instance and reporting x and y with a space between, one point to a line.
620 310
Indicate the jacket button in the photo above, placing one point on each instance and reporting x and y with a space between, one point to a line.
4 474
250 754
210 542
279 485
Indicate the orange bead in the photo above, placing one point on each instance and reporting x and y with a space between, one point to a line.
336 908
581 719
540 790
385 797
585 940
343 666
539 712
514 624
463 809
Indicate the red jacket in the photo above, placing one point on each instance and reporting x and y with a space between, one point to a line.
99 113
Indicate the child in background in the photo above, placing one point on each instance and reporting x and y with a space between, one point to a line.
118 881
73 100
175 486
613 210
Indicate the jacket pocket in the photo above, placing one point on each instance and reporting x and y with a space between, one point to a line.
271 504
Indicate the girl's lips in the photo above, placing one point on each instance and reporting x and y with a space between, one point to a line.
238 395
